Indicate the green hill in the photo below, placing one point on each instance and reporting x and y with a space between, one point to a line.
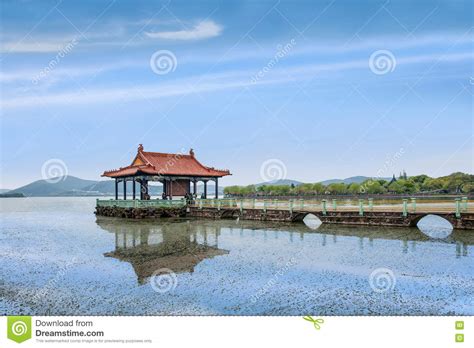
53 188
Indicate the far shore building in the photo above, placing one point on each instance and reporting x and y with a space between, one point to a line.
176 171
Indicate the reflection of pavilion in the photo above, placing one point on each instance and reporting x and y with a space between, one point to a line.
150 247
181 245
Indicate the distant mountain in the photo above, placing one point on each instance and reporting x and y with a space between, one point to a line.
352 179
53 187
72 186
4 190
280 182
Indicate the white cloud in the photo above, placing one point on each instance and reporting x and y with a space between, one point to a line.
32 47
210 83
203 30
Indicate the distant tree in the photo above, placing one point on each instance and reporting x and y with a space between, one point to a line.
468 188
304 189
396 187
318 188
354 188
454 183
337 188
420 179
376 188
406 186
431 185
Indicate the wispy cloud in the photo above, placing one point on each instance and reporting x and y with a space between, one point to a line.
212 82
203 30
108 35
33 46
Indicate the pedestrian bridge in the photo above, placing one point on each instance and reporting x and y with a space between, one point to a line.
405 213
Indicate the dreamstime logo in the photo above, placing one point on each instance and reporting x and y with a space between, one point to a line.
53 283
54 170
273 169
163 280
19 328
382 280
282 52
63 52
273 281
163 62
382 62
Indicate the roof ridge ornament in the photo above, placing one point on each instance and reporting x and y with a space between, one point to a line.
191 152
140 148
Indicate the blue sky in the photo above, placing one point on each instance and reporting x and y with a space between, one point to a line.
321 89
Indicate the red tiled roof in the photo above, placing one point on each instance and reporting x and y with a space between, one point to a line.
156 163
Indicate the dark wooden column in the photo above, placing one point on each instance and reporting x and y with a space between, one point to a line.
195 186
217 188
171 189
133 188
141 189
145 188
124 189
205 189
116 189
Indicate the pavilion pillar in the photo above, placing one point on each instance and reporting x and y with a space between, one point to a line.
217 188
133 188
116 189
205 189
171 189
143 188
124 189
195 187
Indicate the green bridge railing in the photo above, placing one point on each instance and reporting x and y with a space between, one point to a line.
461 205
361 206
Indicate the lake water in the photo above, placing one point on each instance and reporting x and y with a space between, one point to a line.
57 258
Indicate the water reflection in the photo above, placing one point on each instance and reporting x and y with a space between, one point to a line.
435 226
181 244
409 237
225 266
150 246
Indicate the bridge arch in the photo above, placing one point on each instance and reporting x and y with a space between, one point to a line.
311 220
434 225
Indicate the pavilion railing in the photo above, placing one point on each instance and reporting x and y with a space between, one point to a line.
136 203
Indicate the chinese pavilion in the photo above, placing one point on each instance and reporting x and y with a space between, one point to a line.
175 171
